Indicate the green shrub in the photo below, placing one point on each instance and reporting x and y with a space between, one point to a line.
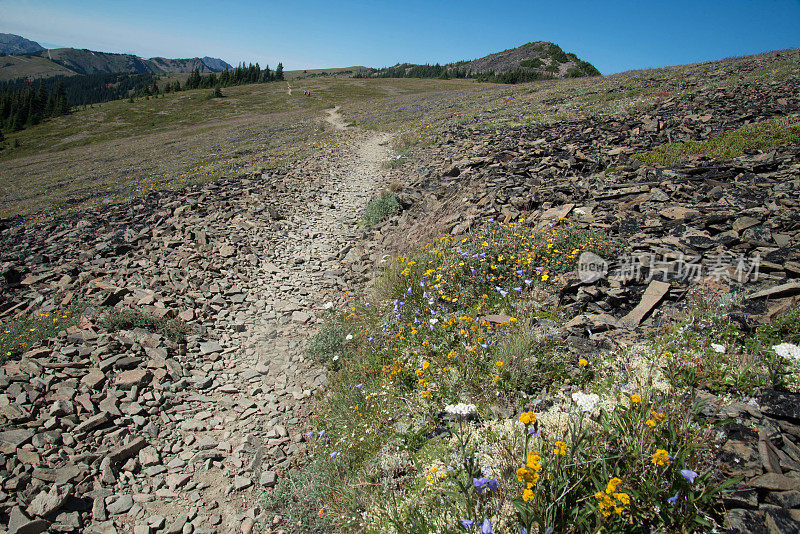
728 145
380 209
328 345
173 329
299 498
532 63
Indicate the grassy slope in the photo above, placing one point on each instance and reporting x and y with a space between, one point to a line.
13 67
118 149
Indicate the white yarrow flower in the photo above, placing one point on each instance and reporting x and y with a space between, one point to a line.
349 337
587 402
461 409
718 348
788 351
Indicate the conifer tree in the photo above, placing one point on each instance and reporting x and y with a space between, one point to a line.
279 72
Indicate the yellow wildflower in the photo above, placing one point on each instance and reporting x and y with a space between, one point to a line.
661 457
528 418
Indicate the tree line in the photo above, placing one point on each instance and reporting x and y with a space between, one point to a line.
25 103
241 75
29 104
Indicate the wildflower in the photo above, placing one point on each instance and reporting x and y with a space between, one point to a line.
661 457
560 448
689 475
486 527
425 365
586 401
502 291
499 364
310 435
611 487
718 348
657 416
425 394
321 513
583 362
485 483
545 277
533 461
461 409
527 418
787 350
650 423
467 523
496 379
672 500
334 454
635 398
349 337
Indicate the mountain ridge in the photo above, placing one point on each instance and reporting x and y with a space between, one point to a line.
11 43
34 63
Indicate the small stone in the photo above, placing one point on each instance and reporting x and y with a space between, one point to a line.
776 482
47 502
240 482
267 479
121 505
134 377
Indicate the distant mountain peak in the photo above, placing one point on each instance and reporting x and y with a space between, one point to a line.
16 44
216 64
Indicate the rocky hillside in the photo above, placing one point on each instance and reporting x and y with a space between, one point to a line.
15 44
532 61
90 62
540 56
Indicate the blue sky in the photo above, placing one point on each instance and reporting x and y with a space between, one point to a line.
614 36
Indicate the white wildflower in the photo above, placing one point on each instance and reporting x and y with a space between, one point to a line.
718 348
349 337
461 409
788 351
587 402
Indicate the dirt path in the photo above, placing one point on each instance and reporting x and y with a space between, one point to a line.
335 119
245 432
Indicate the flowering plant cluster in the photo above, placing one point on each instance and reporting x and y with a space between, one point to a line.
431 419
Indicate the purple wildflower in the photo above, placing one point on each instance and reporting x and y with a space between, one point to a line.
467 523
502 291
486 527
689 475
334 454
673 499
485 483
